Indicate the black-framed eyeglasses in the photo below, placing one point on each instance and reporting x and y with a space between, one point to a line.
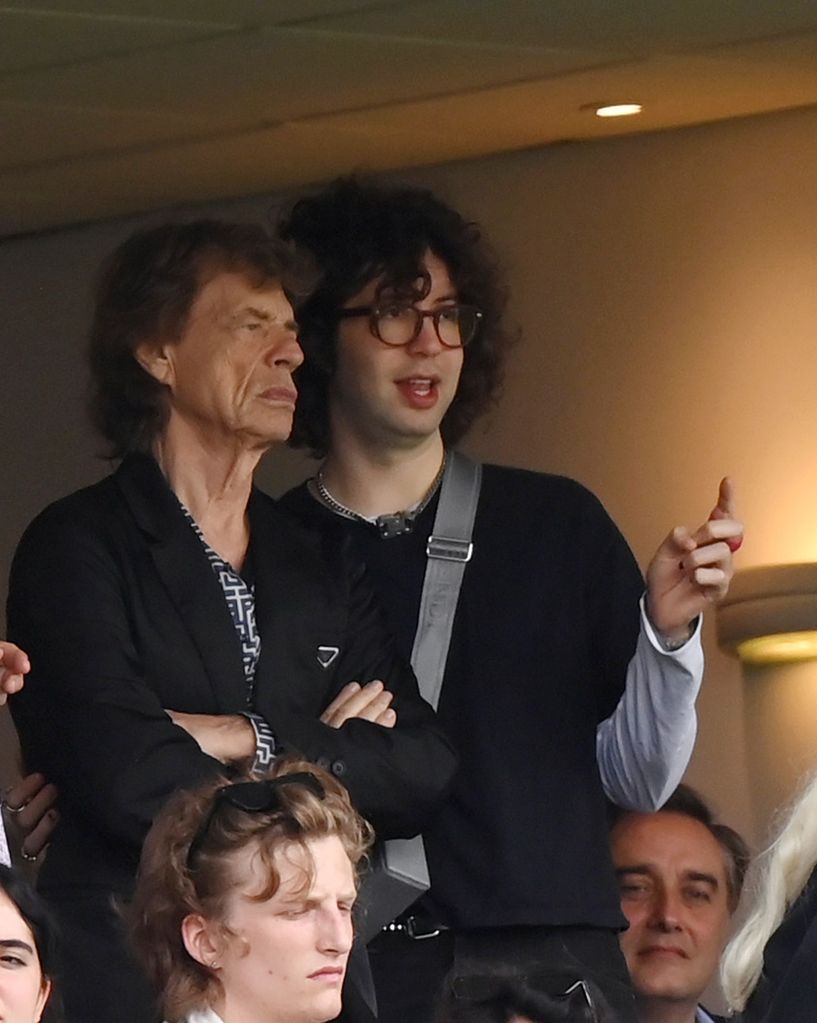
397 325
252 797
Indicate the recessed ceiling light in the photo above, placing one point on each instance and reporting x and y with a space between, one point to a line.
617 109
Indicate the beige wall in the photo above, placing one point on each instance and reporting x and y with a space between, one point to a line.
665 285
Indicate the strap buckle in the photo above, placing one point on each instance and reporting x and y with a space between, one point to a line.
418 931
417 928
448 548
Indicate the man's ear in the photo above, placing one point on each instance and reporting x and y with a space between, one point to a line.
202 939
153 358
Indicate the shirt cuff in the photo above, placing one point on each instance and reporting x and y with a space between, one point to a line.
661 643
266 745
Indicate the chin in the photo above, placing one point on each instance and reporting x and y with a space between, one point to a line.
326 1009
656 989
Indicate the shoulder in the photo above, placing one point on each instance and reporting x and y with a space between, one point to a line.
79 511
526 482
300 504
297 499
551 524
286 516
135 492
295 524
545 496
202 1016
334 530
77 537
703 1016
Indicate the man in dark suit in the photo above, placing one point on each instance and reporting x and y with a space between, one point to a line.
179 623
680 874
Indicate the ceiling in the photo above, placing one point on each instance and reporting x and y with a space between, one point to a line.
112 107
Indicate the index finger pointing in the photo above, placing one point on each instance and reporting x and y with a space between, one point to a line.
725 508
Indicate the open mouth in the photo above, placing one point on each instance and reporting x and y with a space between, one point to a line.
419 392
420 386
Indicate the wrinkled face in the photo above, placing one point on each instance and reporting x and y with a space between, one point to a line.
394 397
23 991
230 373
286 958
672 878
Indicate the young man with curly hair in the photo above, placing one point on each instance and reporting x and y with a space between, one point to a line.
565 681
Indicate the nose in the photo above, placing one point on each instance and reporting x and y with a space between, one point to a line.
336 933
287 352
427 342
665 912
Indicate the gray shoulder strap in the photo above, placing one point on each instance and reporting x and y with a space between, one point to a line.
402 874
448 550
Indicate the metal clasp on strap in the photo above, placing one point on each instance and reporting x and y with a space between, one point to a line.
448 548
415 927
418 931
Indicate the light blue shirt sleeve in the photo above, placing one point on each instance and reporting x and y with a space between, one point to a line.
644 747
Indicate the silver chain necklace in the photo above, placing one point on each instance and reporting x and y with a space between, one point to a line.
395 524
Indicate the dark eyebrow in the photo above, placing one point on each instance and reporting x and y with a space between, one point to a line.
258 313
261 314
643 870
638 868
16 943
386 299
698 875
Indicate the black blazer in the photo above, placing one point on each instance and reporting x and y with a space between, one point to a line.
112 596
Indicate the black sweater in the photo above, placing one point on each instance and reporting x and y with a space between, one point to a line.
546 624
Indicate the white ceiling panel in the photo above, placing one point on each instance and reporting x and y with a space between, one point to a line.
142 181
540 112
111 107
38 39
637 27
283 74
45 134
246 12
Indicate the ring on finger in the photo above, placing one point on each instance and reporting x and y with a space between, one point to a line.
5 805
27 856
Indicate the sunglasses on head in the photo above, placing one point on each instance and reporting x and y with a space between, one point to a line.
252 797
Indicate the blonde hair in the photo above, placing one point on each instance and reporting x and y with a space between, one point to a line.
169 887
780 875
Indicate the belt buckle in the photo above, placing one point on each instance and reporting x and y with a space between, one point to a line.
412 926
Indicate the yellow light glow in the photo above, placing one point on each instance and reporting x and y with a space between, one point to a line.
618 110
779 649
